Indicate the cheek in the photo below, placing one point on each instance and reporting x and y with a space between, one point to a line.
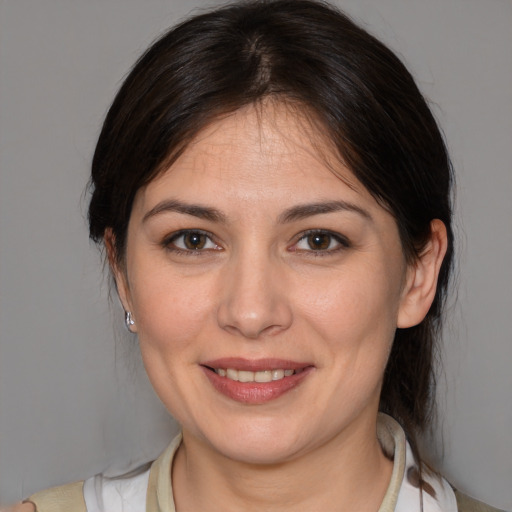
172 321
169 311
352 306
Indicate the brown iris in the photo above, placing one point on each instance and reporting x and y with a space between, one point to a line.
319 241
194 241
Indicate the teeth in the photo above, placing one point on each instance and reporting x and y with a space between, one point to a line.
232 374
261 376
244 376
265 376
277 374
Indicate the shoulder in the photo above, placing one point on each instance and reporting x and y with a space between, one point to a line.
100 493
66 498
127 492
467 504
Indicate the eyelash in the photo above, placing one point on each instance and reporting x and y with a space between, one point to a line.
169 243
342 242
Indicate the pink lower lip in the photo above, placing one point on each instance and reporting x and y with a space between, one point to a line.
255 392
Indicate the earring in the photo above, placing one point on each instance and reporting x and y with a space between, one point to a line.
129 321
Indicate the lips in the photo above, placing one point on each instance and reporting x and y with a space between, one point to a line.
255 381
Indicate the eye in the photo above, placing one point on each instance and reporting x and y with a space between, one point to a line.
190 241
321 241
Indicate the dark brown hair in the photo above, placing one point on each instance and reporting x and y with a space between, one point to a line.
368 105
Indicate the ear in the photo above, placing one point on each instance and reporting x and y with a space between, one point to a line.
118 272
421 281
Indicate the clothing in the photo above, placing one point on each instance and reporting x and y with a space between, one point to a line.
150 489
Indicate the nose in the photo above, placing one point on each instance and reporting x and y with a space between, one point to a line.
254 301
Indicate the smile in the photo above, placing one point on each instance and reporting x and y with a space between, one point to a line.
260 376
255 381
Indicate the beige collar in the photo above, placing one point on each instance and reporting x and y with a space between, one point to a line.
392 439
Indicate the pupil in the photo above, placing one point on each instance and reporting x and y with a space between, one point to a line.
319 241
195 241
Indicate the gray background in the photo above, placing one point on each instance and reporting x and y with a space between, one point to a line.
73 397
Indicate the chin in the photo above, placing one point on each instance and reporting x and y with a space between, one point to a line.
261 442
259 453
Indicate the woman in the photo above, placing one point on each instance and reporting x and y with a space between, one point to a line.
273 195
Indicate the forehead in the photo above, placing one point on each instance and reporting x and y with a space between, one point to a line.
260 148
272 130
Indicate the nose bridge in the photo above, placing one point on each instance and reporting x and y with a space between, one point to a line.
254 301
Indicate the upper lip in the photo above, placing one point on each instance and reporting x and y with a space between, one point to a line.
255 365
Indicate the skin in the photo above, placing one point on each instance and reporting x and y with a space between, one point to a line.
258 287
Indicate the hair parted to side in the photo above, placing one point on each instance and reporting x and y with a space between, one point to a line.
312 56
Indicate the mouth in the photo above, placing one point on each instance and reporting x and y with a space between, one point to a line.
259 376
255 382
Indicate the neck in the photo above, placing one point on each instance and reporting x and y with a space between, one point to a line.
348 473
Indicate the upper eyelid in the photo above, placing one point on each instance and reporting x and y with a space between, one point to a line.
167 240
338 236
181 232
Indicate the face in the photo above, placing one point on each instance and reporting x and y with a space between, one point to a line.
265 289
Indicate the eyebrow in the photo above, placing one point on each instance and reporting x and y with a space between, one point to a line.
201 212
308 210
290 215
